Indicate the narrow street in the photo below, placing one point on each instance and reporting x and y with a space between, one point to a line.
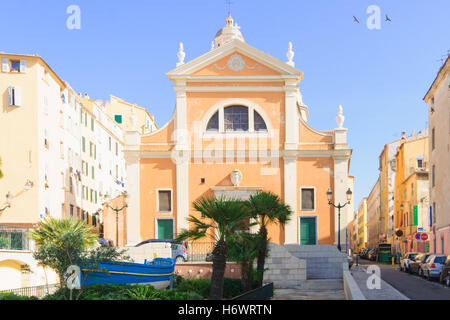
412 286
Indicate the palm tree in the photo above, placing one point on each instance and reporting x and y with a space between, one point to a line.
223 219
60 243
266 208
244 249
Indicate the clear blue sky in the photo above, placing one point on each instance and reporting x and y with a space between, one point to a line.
125 48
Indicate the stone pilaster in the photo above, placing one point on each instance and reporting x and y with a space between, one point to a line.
290 198
132 140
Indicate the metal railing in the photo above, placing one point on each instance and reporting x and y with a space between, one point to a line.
198 251
14 238
39 291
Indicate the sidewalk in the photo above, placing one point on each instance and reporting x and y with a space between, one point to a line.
386 292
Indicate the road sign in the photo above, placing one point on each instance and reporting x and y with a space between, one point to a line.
424 236
417 236
420 229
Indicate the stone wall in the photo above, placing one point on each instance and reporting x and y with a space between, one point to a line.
322 261
203 270
283 269
149 251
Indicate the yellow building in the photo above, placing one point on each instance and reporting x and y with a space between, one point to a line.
362 224
412 194
122 112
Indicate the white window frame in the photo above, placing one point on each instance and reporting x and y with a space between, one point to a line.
316 217
315 199
164 218
171 201
220 108
15 96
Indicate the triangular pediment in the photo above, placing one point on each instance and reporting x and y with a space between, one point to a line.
236 58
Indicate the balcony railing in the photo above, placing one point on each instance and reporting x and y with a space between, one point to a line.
198 251
14 238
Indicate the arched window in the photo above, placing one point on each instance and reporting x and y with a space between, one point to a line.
259 123
213 124
236 118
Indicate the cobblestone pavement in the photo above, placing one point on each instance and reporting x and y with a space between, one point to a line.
386 291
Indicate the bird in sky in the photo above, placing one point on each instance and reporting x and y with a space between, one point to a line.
387 18
355 19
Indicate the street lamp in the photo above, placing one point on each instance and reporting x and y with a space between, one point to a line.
117 210
349 194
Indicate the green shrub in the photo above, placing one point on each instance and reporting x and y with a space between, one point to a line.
93 292
12 296
231 287
199 286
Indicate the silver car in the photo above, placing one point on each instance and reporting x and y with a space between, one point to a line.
406 259
433 266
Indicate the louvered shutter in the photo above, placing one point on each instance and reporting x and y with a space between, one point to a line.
10 96
18 96
5 65
23 65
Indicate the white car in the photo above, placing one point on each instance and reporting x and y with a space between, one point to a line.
433 266
406 259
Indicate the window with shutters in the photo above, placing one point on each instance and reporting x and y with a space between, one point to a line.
15 96
307 199
165 201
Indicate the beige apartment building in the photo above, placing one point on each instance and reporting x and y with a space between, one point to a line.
438 101
373 215
62 155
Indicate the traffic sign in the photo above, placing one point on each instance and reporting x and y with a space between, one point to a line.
424 236
417 236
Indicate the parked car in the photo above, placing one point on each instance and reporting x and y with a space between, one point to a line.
406 259
364 253
445 272
433 266
372 255
415 266
179 250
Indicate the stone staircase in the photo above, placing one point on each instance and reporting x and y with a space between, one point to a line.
322 261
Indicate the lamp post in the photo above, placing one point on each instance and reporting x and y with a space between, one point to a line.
339 207
117 210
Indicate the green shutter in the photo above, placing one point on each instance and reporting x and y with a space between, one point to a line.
92 124
416 216
83 142
93 175
307 231
118 118
165 229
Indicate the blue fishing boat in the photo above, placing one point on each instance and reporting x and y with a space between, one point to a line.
158 273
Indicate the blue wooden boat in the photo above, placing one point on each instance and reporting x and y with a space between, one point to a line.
158 273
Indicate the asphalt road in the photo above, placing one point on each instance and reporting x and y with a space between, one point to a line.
412 286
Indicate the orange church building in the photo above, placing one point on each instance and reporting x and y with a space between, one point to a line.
239 127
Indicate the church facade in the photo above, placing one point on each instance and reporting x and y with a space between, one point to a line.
239 127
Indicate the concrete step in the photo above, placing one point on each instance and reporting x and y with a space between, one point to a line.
322 284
